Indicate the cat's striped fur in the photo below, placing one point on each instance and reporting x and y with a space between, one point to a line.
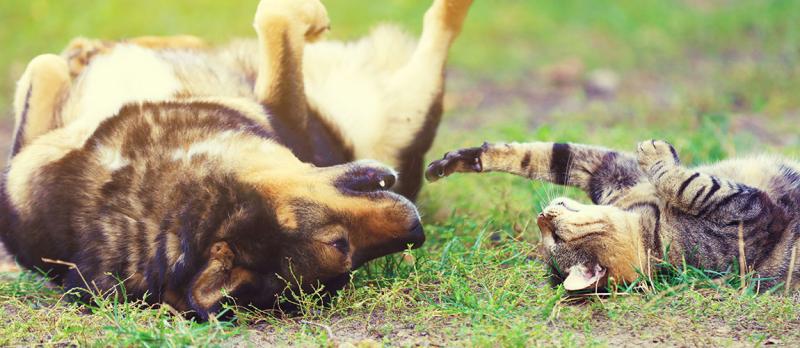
648 203
182 170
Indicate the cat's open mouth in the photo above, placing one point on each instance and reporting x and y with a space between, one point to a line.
583 277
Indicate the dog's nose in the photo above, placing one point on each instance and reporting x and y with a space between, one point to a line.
367 178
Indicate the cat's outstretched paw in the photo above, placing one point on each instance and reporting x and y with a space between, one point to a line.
460 161
656 155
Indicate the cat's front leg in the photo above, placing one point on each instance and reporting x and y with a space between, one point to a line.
605 175
691 191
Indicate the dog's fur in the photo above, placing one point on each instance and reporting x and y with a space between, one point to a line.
183 170
649 208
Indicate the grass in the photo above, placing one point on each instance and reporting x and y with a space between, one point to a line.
716 78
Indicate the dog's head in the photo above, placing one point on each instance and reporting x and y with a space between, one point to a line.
588 244
349 210
306 226
327 221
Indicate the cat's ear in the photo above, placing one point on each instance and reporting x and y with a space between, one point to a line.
218 278
581 277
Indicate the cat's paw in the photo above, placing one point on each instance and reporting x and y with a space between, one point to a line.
460 161
653 155
310 16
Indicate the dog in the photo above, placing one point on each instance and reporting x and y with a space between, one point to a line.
187 172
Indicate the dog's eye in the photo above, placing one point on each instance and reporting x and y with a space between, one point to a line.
342 245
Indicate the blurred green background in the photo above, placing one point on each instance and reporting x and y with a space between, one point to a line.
717 78
502 37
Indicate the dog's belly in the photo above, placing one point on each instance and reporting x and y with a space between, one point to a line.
126 74
130 73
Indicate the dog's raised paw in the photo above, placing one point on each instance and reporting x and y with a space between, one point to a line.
310 15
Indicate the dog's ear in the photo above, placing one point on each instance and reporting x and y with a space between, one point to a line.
215 280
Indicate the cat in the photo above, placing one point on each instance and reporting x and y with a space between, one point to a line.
648 204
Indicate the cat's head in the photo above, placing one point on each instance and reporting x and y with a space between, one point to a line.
586 245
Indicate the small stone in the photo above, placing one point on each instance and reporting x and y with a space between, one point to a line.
601 83
565 73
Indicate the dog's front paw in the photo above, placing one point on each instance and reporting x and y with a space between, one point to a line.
310 16
656 154
460 161
222 253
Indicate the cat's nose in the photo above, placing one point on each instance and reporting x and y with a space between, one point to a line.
546 227
545 222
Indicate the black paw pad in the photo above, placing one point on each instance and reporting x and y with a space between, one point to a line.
462 161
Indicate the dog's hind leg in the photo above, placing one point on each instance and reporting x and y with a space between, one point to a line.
37 99
283 27
416 90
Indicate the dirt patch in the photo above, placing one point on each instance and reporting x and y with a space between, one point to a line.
666 331
354 331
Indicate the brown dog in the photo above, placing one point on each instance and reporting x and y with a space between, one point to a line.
187 172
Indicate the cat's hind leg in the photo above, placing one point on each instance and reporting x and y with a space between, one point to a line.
39 93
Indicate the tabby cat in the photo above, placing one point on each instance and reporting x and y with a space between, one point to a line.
648 207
